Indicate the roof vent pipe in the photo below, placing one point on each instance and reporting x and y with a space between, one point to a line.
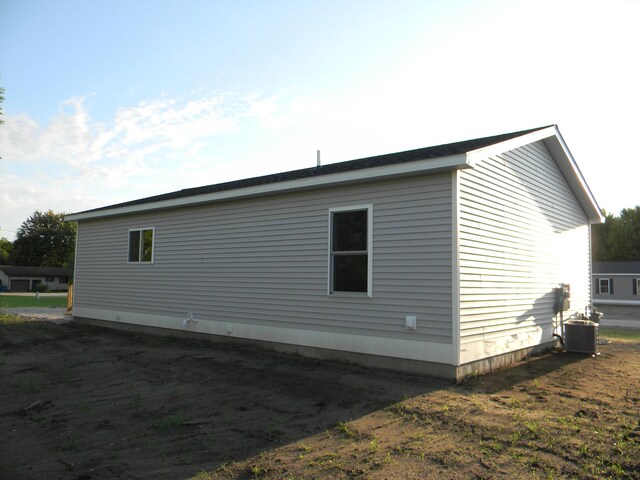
318 158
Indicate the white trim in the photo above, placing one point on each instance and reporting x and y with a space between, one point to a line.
431 164
599 289
590 266
474 156
606 301
569 167
455 273
367 344
352 208
75 270
616 274
561 154
551 136
141 246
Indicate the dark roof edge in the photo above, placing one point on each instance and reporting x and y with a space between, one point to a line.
433 152
29 270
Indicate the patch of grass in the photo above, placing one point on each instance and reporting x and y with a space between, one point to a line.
258 471
170 421
346 430
620 333
203 476
19 301
6 319
373 446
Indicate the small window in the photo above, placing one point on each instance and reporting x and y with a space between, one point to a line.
350 250
141 245
605 286
636 286
64 280
49 279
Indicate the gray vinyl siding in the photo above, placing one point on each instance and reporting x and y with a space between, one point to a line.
521 233
264 261
623 289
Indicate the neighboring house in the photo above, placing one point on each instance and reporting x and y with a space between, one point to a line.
616 283
442 260
25 279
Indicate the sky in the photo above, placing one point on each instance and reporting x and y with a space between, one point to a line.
109 101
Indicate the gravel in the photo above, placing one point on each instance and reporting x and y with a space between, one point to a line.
51 314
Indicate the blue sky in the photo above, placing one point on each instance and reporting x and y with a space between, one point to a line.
112 101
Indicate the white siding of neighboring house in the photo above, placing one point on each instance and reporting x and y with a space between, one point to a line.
4 281
257 268
54 284
521 233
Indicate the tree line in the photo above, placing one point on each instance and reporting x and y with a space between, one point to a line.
43 240
618 238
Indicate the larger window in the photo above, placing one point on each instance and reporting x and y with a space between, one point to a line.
141 245
350 250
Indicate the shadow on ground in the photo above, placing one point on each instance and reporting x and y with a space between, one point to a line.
84 402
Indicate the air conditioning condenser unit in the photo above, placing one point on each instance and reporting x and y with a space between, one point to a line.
581 336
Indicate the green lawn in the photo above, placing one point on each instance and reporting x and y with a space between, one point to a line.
620 333
17 301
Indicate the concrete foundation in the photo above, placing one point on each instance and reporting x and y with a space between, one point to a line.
431 369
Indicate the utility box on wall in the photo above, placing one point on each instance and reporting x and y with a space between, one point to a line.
563 294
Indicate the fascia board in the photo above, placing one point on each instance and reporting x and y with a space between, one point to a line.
560 152
420 166
573 175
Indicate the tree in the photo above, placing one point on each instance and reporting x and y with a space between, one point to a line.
619 237
44 240
5 250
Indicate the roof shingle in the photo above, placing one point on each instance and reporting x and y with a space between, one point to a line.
437 151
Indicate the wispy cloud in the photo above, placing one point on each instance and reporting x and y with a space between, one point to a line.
74 137
76 162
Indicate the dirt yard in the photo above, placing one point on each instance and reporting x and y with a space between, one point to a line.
85 403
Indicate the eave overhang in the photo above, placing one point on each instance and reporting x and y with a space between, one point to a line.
420 163
430 165
560 152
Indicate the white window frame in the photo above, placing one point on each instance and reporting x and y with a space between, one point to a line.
608 286
351 208
141 246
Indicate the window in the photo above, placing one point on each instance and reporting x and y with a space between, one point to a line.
64 280
350 250
49 279
636 286
141 245
604 286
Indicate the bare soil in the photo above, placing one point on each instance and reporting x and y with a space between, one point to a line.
85 403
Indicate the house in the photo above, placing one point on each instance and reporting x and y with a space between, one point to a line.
26 279
616 283
443 260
